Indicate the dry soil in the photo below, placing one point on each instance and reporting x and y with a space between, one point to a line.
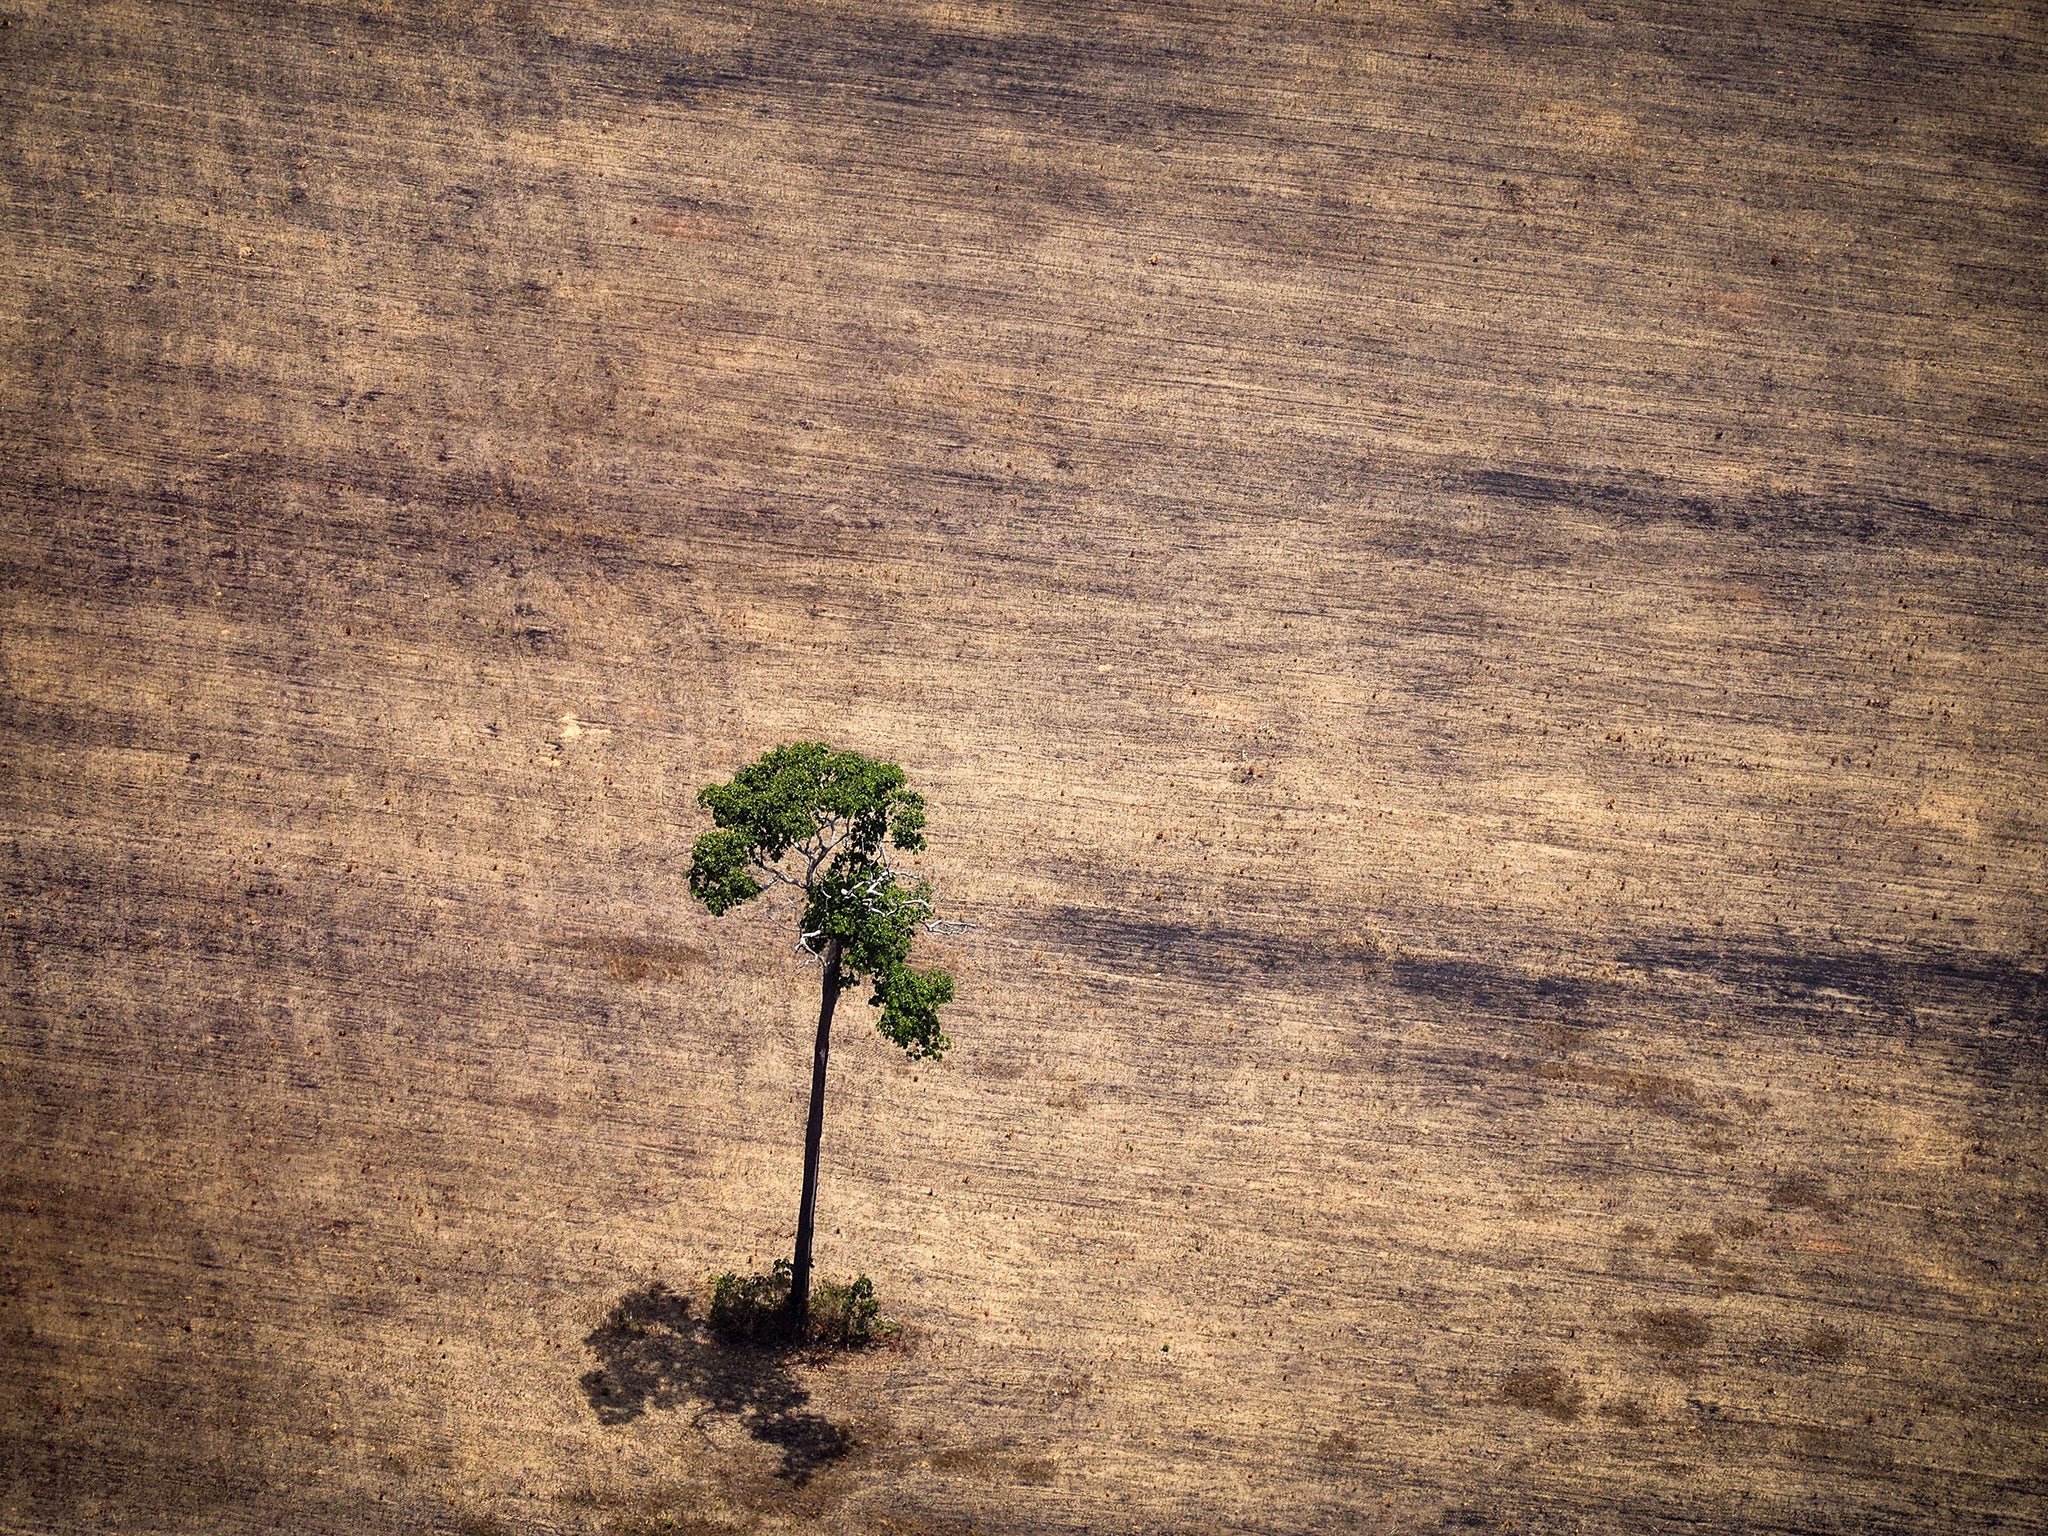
1467 584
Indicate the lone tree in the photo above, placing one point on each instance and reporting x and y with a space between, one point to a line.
816 820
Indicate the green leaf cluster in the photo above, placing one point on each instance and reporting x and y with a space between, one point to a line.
847 1315
806 816
754 1309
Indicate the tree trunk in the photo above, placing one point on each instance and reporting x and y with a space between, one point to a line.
814 1133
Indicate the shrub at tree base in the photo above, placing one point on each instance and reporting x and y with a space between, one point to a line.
846 1315
754 1309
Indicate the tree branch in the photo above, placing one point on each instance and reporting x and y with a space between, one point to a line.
867 894
825 847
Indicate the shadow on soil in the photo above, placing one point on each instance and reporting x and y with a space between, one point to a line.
652 1353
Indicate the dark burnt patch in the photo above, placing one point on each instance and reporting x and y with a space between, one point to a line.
1673 1337
1994 1010
1488 987
1546 1390
1790 519
1209 954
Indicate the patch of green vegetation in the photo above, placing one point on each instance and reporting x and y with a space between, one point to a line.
846 1315
754 1309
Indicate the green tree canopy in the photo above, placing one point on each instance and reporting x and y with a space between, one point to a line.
820 822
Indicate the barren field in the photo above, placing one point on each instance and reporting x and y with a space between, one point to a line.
1468 586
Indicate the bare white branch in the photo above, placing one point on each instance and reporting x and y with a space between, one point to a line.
871 894
817 850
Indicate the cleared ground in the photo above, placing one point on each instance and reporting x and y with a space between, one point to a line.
1467 585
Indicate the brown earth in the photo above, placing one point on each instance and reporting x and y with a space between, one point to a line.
1467 584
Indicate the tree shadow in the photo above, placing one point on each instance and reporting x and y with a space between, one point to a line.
652 1353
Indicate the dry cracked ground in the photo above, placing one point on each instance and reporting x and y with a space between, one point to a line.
1467 583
